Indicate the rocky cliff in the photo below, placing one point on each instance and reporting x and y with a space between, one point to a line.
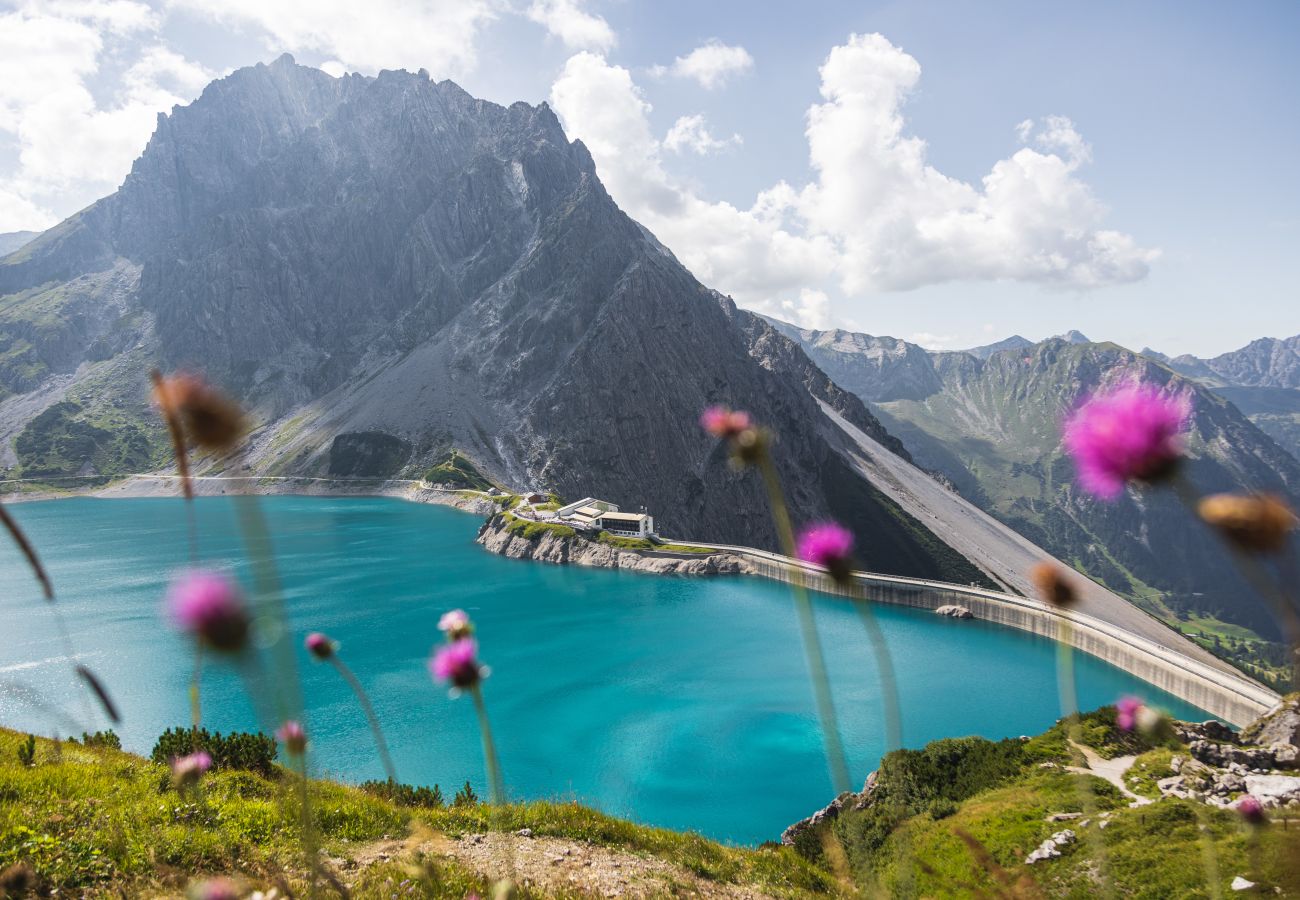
559 545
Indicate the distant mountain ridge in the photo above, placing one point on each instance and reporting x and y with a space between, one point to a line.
991 426
1262 379
11 241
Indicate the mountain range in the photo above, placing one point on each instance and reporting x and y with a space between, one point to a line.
384 269
989 423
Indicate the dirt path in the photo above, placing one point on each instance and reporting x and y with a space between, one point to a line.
1110 769
551 863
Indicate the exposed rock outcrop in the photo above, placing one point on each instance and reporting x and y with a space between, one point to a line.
954 611
554 546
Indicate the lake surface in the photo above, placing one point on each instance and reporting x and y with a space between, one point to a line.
673 701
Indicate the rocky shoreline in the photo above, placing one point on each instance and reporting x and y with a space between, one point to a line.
552 546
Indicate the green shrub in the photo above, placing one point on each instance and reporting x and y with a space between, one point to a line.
406 795
533 531
27 751
465 796
237 750
108 739
459 472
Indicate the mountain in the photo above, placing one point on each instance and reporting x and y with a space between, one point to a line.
386 268
11 241
1015 342
1072 337
992 428
1262 379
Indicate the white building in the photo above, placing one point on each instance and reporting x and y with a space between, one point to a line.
591 514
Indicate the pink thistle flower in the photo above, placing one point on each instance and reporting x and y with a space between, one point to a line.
187 770
828 545
320 646
455 624
724 423
293 737
1127 710
1133 433
214 889
1250 809
458 664
209 606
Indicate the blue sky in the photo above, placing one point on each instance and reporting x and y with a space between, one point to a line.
948 172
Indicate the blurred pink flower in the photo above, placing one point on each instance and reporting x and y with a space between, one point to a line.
1126 712
457 663
724 423
828 545
1130 433
293 737
1250 809
210 607
320 646
186 770
214 889
455 624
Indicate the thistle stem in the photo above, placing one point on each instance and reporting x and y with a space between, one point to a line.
496 786
380 744
835 758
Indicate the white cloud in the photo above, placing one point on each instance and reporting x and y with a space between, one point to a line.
749 253
711 64
66 139
438 35
935 342
877 216
691 133
811 310
577 28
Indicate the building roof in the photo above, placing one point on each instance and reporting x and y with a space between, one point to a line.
624 517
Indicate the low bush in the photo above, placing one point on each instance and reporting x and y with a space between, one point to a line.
238 750
101 739
405 795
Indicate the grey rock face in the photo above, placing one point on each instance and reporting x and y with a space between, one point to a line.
1282 726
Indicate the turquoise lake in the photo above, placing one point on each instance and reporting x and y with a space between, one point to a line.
672 701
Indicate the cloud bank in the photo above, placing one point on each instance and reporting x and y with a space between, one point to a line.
877 216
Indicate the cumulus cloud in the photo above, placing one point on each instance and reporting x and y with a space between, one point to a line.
691 134
712 64
438 35
877 216
568 21
811 310
65 137
934 342
750 253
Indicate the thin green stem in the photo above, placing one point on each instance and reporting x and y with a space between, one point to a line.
812 646
380 744
496 785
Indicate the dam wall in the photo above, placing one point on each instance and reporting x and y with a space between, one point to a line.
1230 696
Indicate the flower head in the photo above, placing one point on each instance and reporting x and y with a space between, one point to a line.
209 606
828 545
320 646
1132 433
1053 585
293 737
214 889
1250 809
1256 523
456 624
724 423
187 770
458 664
210 418
1127 710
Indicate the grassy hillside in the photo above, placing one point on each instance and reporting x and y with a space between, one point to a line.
954 819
